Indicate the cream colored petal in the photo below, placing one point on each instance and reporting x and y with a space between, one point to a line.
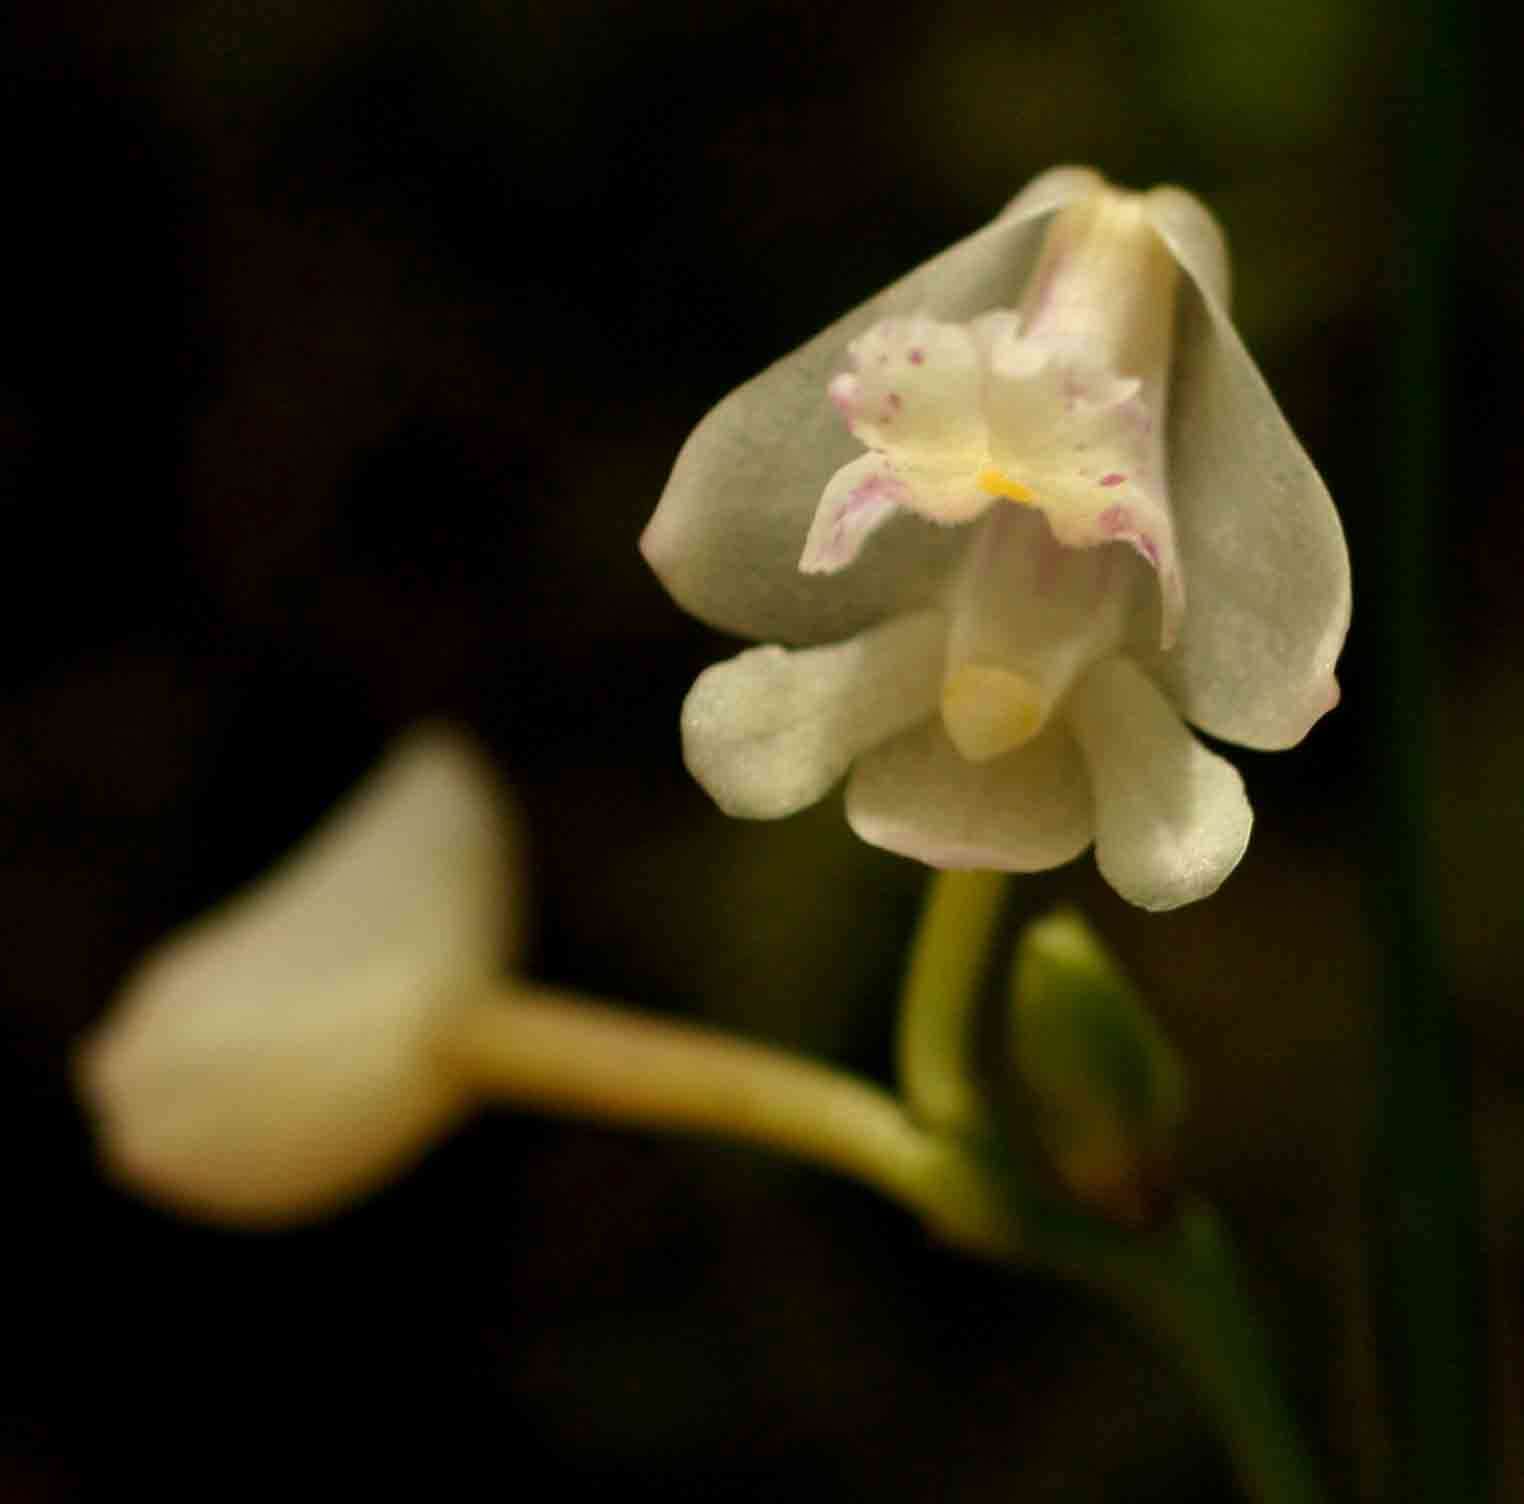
1171 818
274 1059
1259 540
1195 238
769 732
1024 812
912 390
1085 447
1079 394
860 498
727 536
1023 605
872 491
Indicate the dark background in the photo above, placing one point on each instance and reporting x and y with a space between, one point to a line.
346 346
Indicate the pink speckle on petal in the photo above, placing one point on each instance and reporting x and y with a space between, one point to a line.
917 356
1114 479
852 519
1117 522
843 392
875 490
839 531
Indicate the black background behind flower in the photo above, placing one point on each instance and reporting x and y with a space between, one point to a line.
346 349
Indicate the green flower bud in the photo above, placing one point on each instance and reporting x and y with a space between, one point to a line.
1108 1091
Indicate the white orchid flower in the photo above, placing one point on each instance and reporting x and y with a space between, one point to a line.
1018 518
290 1051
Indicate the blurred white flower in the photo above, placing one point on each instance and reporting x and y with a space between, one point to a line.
1073 517
281 1055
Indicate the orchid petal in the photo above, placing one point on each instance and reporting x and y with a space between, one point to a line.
861 497
913 392
1085 445
867 493
276 1058
1171 817
728 533
1026 606
1024 812
1194 238
770 731
1257 533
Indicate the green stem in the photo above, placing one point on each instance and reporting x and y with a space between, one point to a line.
941 995
1194 1294
555 1052
1184 1285
1429 1259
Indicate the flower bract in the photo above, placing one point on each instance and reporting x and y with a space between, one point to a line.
1005 530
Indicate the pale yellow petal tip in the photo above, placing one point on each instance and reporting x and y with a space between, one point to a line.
996 482
989 710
